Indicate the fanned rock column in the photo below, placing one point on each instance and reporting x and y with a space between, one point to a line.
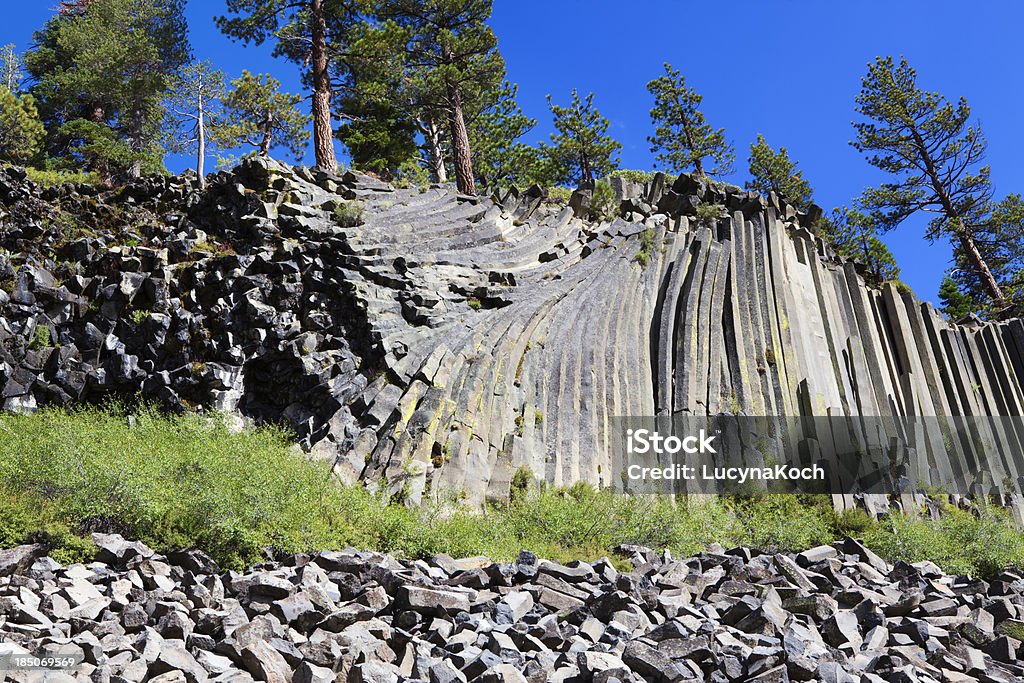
437 343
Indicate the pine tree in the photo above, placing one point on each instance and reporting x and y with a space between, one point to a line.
581 151
927 144
682 137
998 234
108 65
452 62
194 112
313 34
954 302
378 107
853 235
258 114
10 69
773 171
499 155
21 131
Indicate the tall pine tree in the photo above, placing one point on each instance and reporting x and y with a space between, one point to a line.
934 155
581 150
195 113
682 138
452 63
315 35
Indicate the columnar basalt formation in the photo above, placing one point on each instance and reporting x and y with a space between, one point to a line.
440 342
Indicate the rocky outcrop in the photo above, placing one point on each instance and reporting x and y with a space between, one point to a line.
434 341
837 613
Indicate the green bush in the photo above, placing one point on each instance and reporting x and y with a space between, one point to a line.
349 214
558 195
708 214
958 541
633 175
602 202
646 251
40 337
51 178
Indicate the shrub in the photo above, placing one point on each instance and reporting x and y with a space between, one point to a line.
783 522
188 480
40 337
643 256
602 202
633 175
709 214
51 178
559 195
349 214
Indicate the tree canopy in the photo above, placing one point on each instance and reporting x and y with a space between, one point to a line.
682 138
258 114
774 171
933 154
581 150
99 76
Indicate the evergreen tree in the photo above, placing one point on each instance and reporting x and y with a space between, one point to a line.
853 235
581 150
499 156
452 62
313 34
258 114
21 131
194 112
773 171
955 303
107 65
378 106
380 137
682 137
10 69
998 234
927 144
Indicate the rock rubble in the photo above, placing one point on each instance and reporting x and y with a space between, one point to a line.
838 614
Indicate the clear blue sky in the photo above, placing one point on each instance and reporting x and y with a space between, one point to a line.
789 69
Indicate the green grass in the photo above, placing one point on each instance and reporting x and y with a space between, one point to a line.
174 481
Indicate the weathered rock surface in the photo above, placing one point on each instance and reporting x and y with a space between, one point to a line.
725 615
443 341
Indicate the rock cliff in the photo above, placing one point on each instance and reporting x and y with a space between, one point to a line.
430 341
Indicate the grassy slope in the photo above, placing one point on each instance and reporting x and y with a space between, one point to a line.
187 480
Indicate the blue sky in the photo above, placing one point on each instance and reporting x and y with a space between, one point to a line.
789 69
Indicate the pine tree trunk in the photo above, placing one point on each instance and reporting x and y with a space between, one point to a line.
201 154
268 135
323 140
461 153
984 273
435 155
135 128
960 229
